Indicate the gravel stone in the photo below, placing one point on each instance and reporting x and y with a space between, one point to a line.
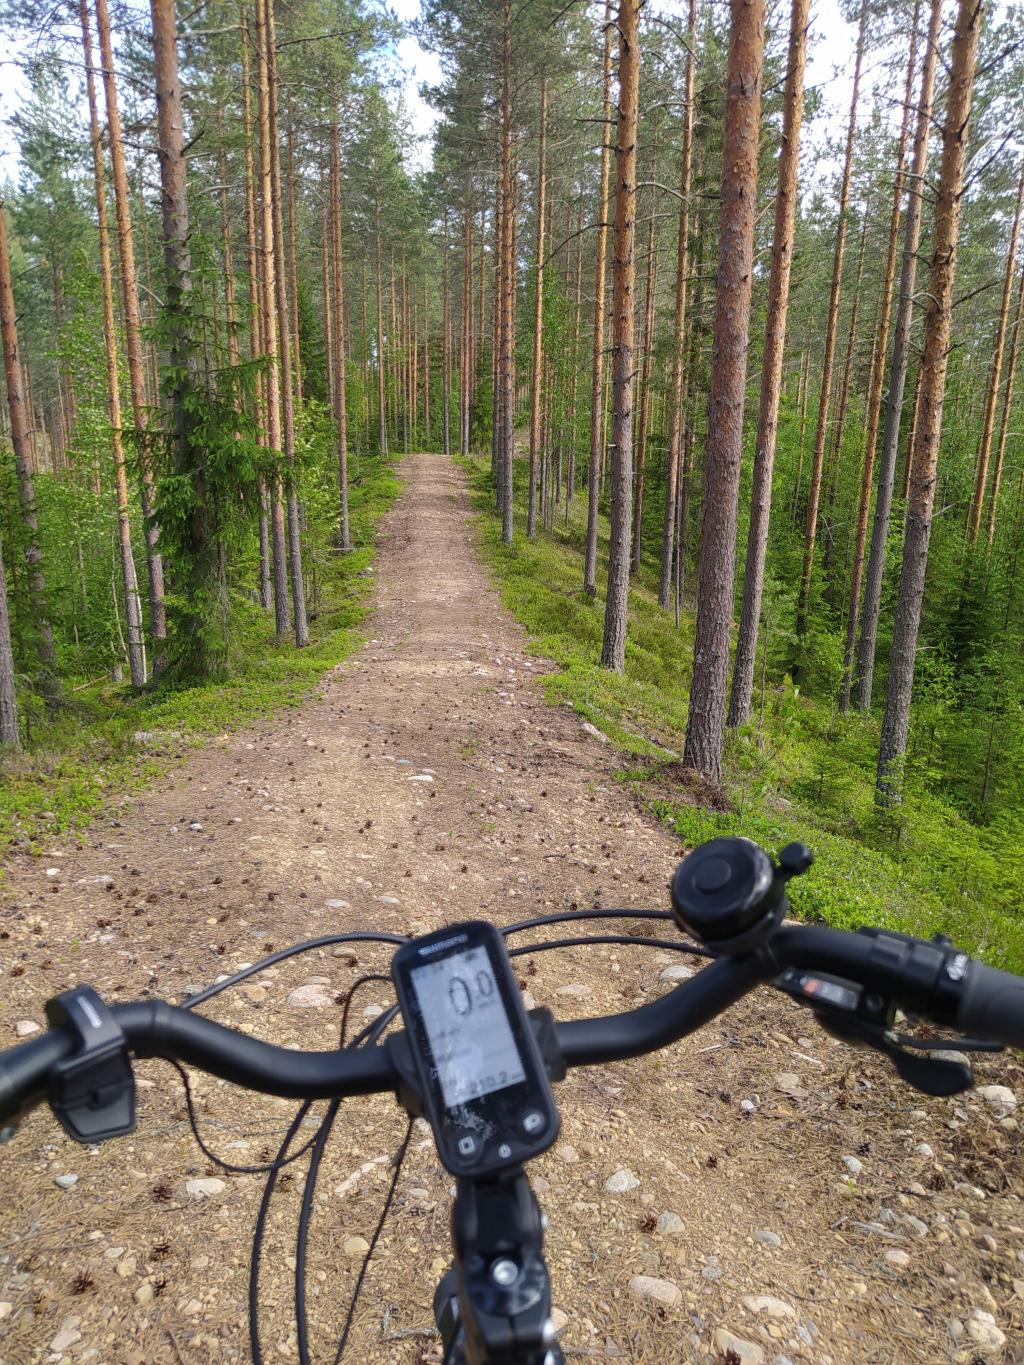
664 1292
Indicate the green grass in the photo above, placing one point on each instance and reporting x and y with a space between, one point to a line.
800 771
106 740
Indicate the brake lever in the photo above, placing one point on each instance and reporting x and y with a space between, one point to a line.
850 1012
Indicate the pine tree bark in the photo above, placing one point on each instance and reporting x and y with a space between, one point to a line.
202 622
132 607
300 622
874 395
328 287
426 366
272 383
934 360
771 371
833 467
995 378
538 318
1004 421
818 458
21 443
897 372
255 311
133 338
338 277
446 348
465 348
10 735
381 405
293 267
705 728
675 419
616 612
506 447
597 373
645 396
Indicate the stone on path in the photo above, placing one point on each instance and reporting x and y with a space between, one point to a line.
621 1182
312 996
729 1345
203 1189
662 1292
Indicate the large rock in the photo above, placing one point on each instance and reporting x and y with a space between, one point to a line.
982 1329
729 1346
999 1098
203 1189
766 1306
312 996
653 1290
621 1182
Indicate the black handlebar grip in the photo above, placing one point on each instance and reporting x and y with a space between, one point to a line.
24 1070
992 1005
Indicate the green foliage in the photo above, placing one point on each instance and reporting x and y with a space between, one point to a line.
799 771
108 738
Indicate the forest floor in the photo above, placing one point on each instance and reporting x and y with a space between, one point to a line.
837 1216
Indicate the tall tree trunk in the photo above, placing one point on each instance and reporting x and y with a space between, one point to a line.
506 446
817 461
132 607
645 396
675 419
597 374
300 622
381 406
202 620
10 736
282 615
228 263
293 270
934 360
255 310
616 612
833 467
338 276
995 377
133 338
426 366
465 365
1004 421
570 476
538 318
897 371
446 343
705 728
771 371
874 396
328 288
18 414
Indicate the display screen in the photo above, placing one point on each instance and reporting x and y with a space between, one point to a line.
467 1027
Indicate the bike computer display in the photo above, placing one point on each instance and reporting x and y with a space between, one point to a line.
483 1082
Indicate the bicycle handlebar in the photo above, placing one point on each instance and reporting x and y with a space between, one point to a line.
928 979
992 1005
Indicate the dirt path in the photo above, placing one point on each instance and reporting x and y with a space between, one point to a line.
428 781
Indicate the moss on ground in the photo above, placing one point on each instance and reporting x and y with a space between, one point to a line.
106 739
798 771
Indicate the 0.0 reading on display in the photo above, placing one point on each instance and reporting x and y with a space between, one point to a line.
467 1027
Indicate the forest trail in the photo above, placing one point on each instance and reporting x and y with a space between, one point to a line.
426 781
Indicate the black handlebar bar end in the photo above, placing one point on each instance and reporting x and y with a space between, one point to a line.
992 1005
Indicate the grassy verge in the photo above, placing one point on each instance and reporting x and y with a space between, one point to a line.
800 771
108 740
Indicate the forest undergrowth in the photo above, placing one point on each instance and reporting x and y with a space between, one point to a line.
107 739
799 770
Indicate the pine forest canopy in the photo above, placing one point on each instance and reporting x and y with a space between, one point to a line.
734 351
